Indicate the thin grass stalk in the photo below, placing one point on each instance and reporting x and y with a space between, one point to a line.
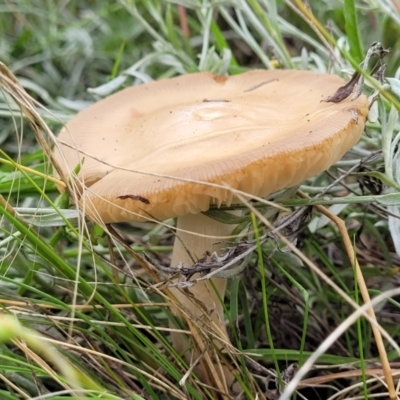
366 298
360 311
351 253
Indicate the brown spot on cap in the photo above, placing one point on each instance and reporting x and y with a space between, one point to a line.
220 78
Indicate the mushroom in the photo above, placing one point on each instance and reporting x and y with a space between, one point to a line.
175 147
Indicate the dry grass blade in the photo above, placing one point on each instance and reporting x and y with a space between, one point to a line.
370 316
213 370
319 380
365 295
27 105
23 337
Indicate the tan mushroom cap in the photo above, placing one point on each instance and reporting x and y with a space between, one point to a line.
258 132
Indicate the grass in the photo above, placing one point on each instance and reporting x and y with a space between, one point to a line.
84 316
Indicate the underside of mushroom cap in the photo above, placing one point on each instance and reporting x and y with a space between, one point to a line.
153 150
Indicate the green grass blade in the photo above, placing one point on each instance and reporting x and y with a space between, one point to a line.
352 31
221 42
265 297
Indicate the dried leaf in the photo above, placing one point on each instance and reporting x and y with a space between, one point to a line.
344 91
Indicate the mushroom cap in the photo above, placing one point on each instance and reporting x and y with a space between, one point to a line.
152 151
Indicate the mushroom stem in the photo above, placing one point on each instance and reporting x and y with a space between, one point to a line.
204 236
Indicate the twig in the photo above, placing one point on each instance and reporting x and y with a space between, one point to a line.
183 21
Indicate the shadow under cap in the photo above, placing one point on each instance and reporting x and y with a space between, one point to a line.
257 132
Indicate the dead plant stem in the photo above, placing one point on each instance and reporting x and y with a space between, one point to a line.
365 295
